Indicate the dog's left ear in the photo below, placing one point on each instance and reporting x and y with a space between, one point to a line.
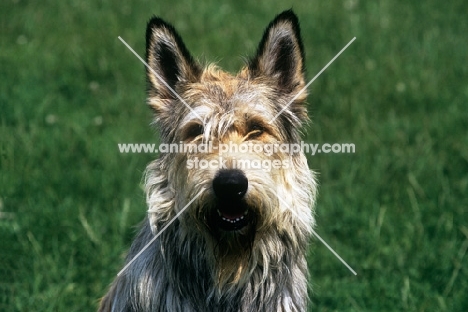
280 54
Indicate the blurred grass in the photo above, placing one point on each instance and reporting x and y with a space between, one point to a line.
396 210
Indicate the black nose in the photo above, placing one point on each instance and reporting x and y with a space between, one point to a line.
230 184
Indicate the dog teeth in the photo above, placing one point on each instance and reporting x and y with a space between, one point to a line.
232 220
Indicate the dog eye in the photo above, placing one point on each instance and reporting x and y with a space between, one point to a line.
193 131
255 130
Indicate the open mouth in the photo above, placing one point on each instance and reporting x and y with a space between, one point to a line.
232 216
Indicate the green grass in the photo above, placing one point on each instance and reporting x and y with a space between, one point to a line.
396 210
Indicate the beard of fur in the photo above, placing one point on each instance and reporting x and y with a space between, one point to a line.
271 239
232 254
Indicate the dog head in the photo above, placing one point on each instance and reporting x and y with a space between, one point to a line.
262 105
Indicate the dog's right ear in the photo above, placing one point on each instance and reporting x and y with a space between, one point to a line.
170 64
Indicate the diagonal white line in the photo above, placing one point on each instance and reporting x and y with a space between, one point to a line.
321 239
334 252
161 79
159 233
313 79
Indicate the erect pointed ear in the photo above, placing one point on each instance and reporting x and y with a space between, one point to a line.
280 54
170 62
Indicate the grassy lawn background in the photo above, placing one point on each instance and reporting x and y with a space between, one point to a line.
396 210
